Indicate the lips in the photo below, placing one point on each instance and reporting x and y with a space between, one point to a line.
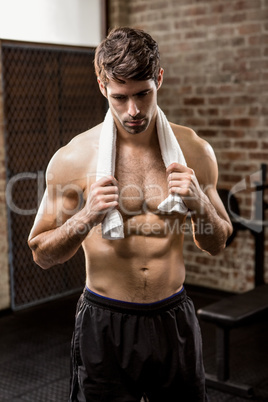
135 122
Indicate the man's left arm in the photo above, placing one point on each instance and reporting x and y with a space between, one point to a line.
197 187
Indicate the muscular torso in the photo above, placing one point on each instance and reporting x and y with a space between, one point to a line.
147 265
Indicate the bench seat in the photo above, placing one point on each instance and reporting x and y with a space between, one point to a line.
226 314
236 310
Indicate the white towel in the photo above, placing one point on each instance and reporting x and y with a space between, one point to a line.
171 152
112 225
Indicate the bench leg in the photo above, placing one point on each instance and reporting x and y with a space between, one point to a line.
221 380
222 353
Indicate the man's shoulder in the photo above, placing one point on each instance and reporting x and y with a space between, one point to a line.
80 146
182 132
88 139
198 153
78 155
189 140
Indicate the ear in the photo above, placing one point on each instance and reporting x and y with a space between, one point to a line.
160 78
102 87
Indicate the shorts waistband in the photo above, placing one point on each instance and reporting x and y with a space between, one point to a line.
129 307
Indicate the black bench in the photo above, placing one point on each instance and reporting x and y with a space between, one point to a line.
239 309
226 314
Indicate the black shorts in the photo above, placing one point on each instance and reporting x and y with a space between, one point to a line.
122 351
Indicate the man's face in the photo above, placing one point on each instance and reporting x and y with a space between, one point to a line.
133 103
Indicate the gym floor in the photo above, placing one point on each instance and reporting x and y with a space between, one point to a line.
35 349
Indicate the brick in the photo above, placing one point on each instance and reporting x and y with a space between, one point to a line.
207 133
183 24
222 30
195 122
224 54
186 112
221 143
196 58
221 7
254 110
232 18
245 167
260 15
194 101
259 64
248 29
258 40
219 100
201 260
246 4
172 81
195 35
209 21
219 78
262 156
157 5
245 122
249 76
249 52
183 46
238 41
264 145
138 8
233 67
208 112
220 122
232 156
246 144
185 90
193 80
208 90
194 11
244 99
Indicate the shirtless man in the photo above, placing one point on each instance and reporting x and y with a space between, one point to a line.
136 332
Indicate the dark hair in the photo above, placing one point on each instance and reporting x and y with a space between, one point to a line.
127 53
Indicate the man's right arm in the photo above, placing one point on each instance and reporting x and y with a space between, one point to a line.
60 226
55 246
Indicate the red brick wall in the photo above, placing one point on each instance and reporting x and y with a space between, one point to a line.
215 57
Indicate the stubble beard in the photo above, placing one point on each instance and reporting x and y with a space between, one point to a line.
136 129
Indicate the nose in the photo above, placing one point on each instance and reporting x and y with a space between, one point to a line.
133 109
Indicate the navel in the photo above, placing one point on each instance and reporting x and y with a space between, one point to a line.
144 277
144 269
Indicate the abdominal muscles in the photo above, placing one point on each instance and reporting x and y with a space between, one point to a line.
145 266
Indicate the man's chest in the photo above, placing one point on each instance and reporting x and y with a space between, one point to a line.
142 182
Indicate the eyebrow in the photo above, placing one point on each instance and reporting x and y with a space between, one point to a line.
138 93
